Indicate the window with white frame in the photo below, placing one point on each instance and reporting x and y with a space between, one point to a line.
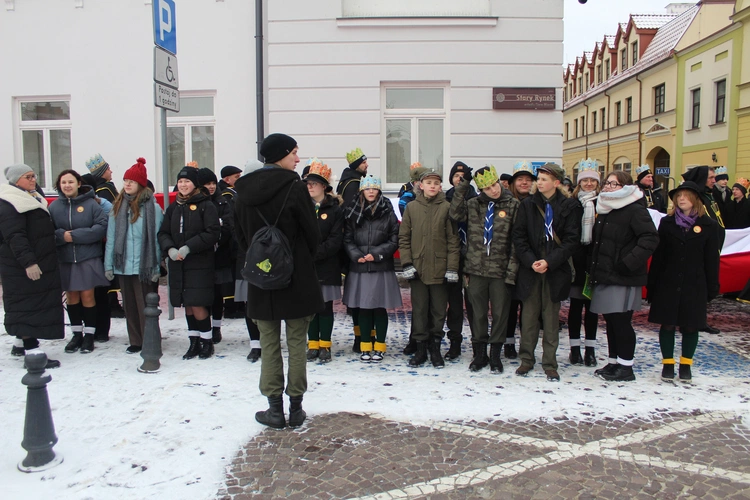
415 129
190 134
44 136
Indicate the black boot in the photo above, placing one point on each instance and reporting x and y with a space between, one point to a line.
496 364
454 351
589 357
254 355
297 415
194 349
480 356
411 347
667 373
575 356
216 335
621 373
510 351
325 355
274 415
88 343
607 370
685 373
420 356
207 349
75 343
357 343
312 354
435 356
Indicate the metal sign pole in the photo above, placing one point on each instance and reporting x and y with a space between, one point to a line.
165 186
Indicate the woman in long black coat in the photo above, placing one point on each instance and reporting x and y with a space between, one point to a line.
32 295
188 233
684 276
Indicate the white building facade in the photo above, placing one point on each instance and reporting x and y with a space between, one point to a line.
404 81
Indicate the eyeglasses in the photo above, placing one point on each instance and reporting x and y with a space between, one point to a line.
612 184
30 177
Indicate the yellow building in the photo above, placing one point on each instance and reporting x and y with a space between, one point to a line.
742 164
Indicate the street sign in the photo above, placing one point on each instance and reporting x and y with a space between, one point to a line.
165 25
662 171
166 97
165 68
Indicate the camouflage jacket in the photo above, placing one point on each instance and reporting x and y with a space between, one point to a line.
501 262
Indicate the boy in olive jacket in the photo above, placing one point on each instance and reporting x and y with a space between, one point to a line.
490 263
429 249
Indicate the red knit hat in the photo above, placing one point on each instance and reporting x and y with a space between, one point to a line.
137 173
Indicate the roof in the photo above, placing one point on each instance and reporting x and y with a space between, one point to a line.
651 21
610 40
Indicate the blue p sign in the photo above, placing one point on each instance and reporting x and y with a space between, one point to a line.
165 25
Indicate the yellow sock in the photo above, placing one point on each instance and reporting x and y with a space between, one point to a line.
380 346
366 346
325 344
356 331
686 361
313 344
669 361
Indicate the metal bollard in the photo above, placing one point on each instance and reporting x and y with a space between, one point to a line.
39 429
151 352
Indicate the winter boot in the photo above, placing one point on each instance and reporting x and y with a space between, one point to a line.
254 355
411 347
589 357
297 415
420 356
608 369
207 349
274 415
621 373
575 356
18 350
496 364
510 351
667 370
75 343
88 343
685 373
312 354
194 349
357 341
216 334
435 356
454 351
480 356
325 355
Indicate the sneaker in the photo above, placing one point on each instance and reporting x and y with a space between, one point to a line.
312 354
325 355
17 350
365 357
377 357
685 374
552 375
523 370
133 349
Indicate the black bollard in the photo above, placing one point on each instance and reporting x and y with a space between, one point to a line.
151 352
39 429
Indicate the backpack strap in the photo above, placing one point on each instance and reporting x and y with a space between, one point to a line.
280 210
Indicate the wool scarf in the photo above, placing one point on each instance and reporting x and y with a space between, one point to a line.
613 200
685 221
376 208
149 258
589 215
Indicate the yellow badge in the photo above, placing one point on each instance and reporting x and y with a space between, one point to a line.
324 216
79 210
193 207
502 214
697 229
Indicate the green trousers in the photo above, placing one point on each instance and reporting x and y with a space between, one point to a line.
272 364
429 304
538 303
482 293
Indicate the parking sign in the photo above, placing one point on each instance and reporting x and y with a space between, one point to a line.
165 25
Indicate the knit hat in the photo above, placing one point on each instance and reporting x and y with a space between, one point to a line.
431 173
230 170
137 173
370 182
190 174
588 169
506 177
486 177
699 175
552 169
460 166
722 174
692 186
88 180
206 175
14 172
320 173
252 165
739 186
277 146
642 171
355 158
96 165
523 168
415 174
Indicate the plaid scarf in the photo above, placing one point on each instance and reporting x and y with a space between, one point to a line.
359 207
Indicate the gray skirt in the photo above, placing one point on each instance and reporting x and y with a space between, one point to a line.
372 290
331 292
240 291
80 276
609 299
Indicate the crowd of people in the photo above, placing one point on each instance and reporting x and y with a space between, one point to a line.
506 253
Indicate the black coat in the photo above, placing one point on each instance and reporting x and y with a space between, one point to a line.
654 198
348 186
223 256
684 273
105 189
194 223
623 241
737 214
530 244
264 190
27 237
713 210
331 225
375 234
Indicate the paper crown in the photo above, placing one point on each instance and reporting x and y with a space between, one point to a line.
743 181
524 166
96 162
370 182
642 168
312 160
354 155
193 164
324 171
414 165
486 176
721 171
588 164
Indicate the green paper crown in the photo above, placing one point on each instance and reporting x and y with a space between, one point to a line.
354 155
486 177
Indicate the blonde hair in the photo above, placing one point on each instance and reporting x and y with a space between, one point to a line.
698 206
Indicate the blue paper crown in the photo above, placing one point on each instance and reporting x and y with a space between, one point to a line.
642 168
721 171
588 164
370 182
95 162
524 166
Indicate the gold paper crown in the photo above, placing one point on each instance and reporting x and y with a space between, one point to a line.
743 181
486 177
193 164
321 170
354 155
414 165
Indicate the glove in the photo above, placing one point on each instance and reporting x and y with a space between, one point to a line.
451 276
155 276
33 272
184 251
409 272
173 253
109 274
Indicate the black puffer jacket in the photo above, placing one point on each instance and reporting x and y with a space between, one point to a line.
86 221
27 237
623 241
223 255
331 224
375 234
194 223
105 189
348 186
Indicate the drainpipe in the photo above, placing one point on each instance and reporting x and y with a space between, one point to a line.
607 117
640 115
586 129
259 81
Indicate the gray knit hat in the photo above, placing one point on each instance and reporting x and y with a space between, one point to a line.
15 172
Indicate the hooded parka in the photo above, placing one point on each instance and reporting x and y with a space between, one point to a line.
375 234
84 217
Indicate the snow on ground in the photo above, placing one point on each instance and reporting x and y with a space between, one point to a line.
124 434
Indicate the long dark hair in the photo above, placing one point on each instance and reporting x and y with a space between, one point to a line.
66 172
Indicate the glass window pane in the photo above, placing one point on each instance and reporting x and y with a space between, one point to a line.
202 141
414 98
195 106
33 153
56 110
397 150
431 144
61 156
175 152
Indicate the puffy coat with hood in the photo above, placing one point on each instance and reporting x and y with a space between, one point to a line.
375 234
86 220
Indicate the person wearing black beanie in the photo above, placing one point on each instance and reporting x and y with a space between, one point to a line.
276 147
738 208
190 174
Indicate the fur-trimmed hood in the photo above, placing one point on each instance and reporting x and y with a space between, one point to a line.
21 200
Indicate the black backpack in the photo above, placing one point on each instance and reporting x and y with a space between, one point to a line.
268 262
